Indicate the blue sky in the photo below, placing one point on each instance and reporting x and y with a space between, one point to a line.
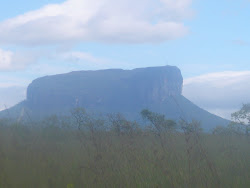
200 37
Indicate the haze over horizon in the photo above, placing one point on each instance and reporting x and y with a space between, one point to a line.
212 50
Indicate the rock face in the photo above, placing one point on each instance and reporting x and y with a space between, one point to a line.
158 89
111 90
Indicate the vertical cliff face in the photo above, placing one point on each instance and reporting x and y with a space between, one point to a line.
106 89
169 84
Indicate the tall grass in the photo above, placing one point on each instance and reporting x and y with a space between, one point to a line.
117 153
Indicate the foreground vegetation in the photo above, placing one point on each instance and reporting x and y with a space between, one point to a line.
114 152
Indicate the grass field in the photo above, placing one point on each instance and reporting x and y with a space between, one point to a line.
50 156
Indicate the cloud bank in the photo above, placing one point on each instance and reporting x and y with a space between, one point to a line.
220 93
10 60
10 96
111 21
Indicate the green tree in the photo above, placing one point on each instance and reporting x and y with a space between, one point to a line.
121 125
158 121
242 117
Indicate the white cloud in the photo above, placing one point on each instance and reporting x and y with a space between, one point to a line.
5 59
13 81
10 61
12 90
115 21
9 96
78 56
221 93
62 61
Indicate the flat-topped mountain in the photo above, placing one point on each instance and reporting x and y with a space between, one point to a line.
112 90
158 89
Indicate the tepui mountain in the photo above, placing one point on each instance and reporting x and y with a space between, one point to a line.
158 89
